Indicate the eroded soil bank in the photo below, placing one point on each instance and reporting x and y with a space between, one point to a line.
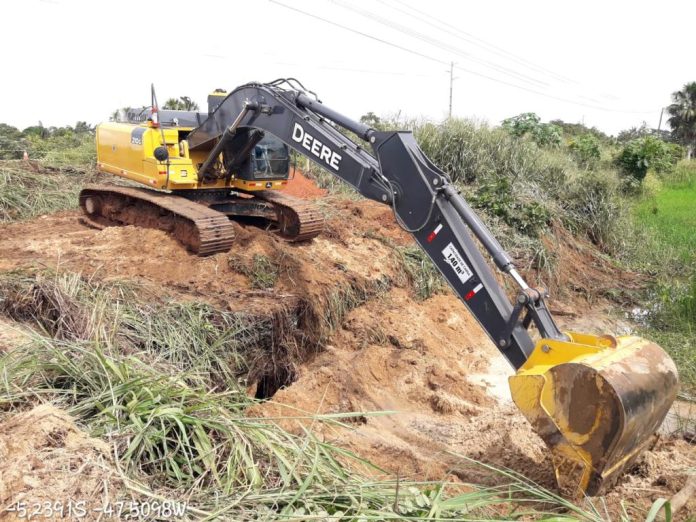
362 342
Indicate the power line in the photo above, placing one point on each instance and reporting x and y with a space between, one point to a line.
492 48
470 38
440 44
356 31
437 60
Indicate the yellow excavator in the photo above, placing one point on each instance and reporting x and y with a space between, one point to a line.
597 401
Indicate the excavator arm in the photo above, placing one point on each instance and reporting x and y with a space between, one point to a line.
424 200
595 400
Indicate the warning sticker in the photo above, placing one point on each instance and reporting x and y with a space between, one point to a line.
455 259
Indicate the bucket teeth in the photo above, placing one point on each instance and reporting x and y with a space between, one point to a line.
597 405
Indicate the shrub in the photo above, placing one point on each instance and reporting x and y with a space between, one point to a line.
593 204
683 175
641 154
528 123
12 142
528 217
585 149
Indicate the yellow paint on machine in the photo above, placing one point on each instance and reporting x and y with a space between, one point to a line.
596 401
128 150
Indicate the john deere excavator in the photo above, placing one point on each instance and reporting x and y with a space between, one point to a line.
596 401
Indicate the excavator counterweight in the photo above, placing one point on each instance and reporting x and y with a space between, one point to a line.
596 401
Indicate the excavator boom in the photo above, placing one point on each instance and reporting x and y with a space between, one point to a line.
595 400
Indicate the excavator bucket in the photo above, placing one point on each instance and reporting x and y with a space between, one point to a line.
597 402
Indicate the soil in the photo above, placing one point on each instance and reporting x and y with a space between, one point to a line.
300 186
47 463
379 349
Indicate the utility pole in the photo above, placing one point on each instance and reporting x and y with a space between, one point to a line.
452 78
659 125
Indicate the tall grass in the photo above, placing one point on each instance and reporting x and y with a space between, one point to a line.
135 375
524 185
518 187
29 189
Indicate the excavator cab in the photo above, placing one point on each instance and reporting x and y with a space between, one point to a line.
256 156
270 159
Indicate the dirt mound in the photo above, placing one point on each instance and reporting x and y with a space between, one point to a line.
396 355
367 344
300 186
45 458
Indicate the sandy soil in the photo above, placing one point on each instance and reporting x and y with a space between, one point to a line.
48 466
428 362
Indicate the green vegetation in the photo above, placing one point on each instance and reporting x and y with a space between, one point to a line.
53 145
586 149
648 152
682 117
421 272
28 192
670 213
668 221
164 384
260 269
528 123
182 103
521 186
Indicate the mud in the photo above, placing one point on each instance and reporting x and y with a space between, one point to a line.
379 349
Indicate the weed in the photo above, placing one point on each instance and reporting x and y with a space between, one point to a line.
28 189
142 388
261 270
422 274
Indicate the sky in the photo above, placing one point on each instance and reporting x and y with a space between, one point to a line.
611 65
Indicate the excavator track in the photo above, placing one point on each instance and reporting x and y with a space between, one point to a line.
202 225
298 219
202 230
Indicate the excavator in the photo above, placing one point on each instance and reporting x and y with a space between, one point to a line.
597 401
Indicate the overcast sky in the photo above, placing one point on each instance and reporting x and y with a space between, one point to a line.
609 64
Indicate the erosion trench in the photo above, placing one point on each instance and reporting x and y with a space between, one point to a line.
345 331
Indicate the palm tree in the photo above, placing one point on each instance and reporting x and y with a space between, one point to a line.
189 104
682 119
183 103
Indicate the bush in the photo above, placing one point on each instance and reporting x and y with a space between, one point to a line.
521 185
641 154
528 123
682 176
585 149
528 217
53 145
12 142
593 205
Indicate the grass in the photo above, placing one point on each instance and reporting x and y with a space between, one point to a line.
27 191
671 215
666 222
165 382
261 270
424 278
144 377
